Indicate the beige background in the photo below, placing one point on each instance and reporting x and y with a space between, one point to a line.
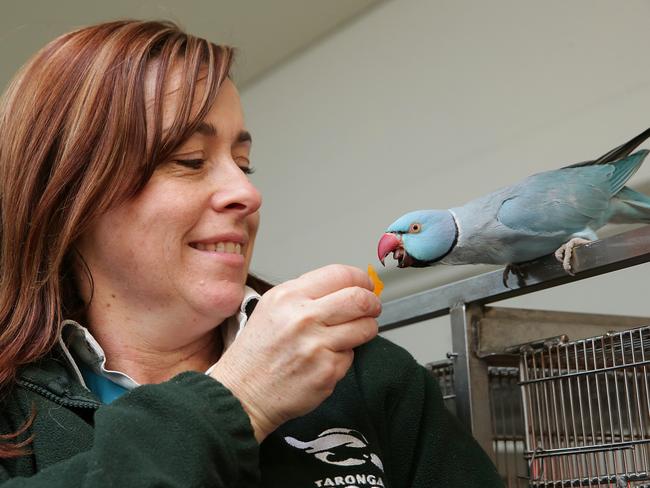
364 110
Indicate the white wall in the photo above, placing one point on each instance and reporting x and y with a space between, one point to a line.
429 103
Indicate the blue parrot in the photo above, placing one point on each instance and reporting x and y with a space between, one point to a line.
546 212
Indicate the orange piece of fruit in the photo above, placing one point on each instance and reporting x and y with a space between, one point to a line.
379 285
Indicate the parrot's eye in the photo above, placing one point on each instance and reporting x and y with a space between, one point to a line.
415 228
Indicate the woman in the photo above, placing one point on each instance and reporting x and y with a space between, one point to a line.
128 223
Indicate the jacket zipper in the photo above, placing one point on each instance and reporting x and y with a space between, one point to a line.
55 398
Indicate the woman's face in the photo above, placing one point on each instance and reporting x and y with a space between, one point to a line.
183 245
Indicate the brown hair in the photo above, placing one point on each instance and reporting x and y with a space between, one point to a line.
74 142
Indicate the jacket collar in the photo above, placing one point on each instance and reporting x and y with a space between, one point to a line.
53 378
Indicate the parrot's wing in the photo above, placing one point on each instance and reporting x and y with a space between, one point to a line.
558 202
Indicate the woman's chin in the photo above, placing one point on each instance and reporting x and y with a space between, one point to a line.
221 301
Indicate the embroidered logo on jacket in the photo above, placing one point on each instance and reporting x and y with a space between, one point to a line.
338 446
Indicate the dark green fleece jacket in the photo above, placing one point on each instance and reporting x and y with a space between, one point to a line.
384 425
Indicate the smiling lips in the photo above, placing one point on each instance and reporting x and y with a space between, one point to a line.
228 247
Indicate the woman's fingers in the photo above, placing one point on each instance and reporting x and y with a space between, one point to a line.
345 359
332 278
349 335
346 305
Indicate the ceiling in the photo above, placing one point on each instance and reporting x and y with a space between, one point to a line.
266 32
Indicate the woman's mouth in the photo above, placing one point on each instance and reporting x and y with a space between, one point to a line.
227 247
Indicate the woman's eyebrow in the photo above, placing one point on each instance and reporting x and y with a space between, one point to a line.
206 129
209 130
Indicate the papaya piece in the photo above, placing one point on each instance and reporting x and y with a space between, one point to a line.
379 285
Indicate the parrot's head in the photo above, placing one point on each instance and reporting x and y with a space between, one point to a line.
419 238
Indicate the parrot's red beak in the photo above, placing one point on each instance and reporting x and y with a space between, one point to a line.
387 244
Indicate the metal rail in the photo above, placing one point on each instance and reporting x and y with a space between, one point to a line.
603 256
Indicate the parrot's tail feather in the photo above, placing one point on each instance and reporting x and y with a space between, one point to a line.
617 153
631 206
624 149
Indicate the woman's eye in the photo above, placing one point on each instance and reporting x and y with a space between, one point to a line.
190 163
245 165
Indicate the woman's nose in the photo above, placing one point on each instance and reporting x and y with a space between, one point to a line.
235 193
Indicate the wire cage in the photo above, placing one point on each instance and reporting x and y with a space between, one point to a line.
507 417
443 373
508 434
587 410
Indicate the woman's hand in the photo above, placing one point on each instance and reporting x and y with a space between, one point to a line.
298 344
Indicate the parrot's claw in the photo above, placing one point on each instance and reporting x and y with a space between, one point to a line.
516 270
564 253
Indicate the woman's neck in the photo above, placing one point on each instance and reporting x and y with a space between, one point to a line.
146 363
152 346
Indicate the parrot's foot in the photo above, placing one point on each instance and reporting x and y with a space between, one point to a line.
564 253
516 270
